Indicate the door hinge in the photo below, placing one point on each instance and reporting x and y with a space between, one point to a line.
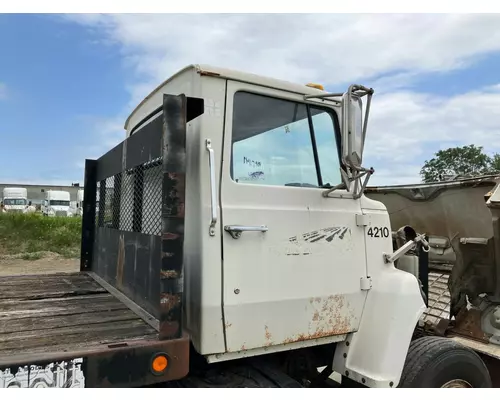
366 283
362 219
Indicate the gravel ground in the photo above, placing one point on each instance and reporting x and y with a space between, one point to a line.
47 263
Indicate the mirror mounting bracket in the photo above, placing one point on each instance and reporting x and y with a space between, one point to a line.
356 178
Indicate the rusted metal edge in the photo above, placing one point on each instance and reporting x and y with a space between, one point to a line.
434 190
485 179
177 110
139 311
468 324
132 367
488 349
92 350
172 215
406 193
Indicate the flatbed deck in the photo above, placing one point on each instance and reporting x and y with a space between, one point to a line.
62 313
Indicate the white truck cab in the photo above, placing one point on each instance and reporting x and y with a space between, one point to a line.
15 199
260 185
56 204
275 184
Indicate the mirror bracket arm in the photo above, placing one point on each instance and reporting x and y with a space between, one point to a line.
360 173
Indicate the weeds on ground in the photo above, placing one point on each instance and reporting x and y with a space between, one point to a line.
30 234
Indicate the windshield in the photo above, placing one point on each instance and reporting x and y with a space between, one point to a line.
59 203
15 202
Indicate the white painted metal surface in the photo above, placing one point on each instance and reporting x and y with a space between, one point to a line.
215 358
186 80
299 280
202 252
376 353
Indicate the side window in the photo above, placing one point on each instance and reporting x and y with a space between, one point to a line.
326 143
272 143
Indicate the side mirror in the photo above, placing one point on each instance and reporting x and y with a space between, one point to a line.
353 140
353 132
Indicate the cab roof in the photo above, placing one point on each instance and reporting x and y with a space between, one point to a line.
223 73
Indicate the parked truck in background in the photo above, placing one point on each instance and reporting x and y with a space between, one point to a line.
76 207
79 203
15 199
56 204
233 245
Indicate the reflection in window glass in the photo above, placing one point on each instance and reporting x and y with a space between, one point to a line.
326 143
271 142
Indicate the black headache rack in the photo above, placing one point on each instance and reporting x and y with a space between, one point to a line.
133 234
131 256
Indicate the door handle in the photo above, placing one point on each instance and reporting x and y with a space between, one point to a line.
213 187
236 230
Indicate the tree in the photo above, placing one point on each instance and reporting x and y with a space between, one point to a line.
465 161
495 164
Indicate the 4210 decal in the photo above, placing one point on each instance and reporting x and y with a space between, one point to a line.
378 232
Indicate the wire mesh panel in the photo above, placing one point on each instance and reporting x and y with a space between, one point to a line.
152 198
132 200
127 201
106 202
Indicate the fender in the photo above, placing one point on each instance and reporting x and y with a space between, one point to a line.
376 353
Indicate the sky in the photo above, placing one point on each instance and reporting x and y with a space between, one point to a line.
68 82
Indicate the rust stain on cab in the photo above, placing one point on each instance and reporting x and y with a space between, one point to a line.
268 336
316 316
332 318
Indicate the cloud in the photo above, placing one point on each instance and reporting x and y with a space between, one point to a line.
406 128
104 134
387 51
331 48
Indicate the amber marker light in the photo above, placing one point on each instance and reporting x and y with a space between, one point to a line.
316 86
159 364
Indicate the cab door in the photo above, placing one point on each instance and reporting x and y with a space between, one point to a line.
293 260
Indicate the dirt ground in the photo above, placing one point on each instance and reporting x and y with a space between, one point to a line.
48 263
